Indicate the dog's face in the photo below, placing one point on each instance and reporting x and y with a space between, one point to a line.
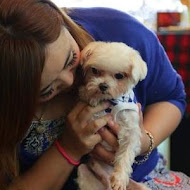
110 69
105 84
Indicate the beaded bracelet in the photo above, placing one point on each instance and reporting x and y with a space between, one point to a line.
146 156
64 154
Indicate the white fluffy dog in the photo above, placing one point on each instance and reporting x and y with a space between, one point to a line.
111 71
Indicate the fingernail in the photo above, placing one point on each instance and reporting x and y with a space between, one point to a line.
111 122
101 129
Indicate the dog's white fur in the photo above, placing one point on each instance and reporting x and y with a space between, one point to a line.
109 59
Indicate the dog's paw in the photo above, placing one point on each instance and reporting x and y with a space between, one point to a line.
118 182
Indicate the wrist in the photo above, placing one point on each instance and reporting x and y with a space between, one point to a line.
70 147
67 154
145 143
149 150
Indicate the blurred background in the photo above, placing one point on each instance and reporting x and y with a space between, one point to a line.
170 20
144 10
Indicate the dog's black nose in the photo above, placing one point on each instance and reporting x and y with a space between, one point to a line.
103 87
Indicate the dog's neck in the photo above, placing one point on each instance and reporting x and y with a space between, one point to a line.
126 101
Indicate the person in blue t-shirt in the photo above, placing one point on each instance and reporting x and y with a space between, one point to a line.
45 130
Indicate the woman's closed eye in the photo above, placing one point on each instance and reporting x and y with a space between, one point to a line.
46 93
72 59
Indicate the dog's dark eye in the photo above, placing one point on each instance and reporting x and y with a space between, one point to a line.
95 71
119 76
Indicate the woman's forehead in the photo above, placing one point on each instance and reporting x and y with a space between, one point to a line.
56 55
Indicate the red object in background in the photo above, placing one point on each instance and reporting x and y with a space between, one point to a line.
165 19
177 47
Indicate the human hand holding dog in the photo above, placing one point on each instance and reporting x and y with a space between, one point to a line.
80 134
109 135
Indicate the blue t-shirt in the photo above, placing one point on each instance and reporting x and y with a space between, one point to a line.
161 84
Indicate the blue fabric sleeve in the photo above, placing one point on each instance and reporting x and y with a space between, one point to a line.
163 83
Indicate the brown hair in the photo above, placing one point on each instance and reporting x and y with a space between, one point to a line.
26 28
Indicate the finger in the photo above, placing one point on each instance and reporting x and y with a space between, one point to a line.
93 155
139 106
114 127
109 138
88 112
103 154
140 115
95 139
95 125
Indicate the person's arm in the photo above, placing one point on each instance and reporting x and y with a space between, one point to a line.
165 95
165 117
160 119
50 172
79 137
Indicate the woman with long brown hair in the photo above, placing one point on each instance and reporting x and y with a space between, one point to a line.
44 129
29 30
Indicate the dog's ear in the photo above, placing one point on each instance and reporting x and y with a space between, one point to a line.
139 68
85 55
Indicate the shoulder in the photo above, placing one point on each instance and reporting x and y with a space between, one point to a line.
96 12
107 24
103 17
98 18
